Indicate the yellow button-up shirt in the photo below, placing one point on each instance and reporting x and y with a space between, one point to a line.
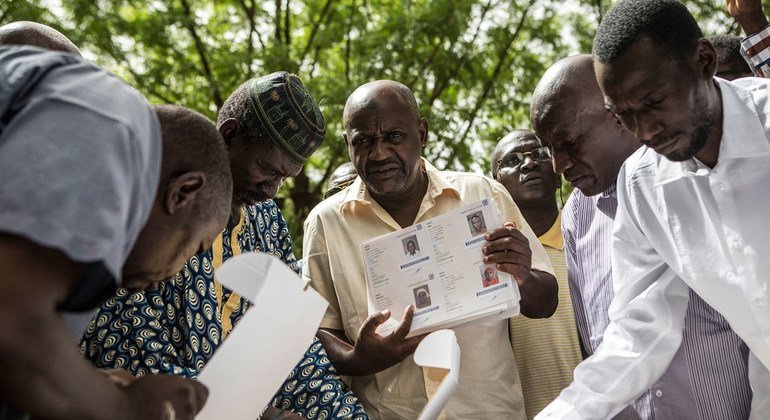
547 350
333 263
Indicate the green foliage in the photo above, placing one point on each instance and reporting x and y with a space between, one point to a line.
471 63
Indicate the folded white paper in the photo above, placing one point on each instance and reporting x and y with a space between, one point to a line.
266 344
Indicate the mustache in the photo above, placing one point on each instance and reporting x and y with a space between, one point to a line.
373 166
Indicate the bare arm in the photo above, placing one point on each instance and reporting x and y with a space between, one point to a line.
43 373
372 352
748 14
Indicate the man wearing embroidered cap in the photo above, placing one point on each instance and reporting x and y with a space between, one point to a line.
271 125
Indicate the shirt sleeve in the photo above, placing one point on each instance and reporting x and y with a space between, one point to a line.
756 51
171 330
567 226
645 331
316 270
79 158
511 213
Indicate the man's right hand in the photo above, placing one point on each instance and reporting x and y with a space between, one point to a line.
748 14
380 352
372 352
166 397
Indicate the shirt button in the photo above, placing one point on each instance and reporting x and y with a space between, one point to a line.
722 187
759 301
659 393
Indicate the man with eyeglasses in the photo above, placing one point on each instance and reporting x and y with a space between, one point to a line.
707 377
271 126
546 350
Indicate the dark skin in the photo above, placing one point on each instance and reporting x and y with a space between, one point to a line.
672 105
385 137
748 14
532 184
32 328
39 279
588 145
258 168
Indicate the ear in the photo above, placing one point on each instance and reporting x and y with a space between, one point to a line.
706 58
423 131
182 191
229 129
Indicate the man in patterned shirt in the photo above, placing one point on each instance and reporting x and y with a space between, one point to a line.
271 126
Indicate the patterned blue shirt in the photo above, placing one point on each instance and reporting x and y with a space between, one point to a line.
176 328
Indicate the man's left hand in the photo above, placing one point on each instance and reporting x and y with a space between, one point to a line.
509 250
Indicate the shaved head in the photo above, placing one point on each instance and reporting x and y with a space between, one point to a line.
366 97
36 35
587 143
568 83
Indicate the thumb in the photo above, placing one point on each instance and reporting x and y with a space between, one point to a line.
511 224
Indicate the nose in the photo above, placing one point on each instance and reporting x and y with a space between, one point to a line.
528 163
646 126
379 151
270 188
561 162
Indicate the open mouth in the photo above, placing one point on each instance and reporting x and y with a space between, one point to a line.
383 173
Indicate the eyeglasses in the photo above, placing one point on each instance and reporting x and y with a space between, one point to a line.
515 159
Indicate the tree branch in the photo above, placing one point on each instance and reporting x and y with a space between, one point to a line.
441 85
201 49
277 21
501 59
287 26
313 31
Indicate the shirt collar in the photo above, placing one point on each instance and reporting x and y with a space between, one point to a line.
358 194
743 135
553 238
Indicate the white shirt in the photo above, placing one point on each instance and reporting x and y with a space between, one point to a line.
682 224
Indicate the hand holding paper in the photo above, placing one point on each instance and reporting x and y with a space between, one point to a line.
509 249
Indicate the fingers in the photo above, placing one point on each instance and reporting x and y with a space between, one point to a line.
201 394
405 325
369 327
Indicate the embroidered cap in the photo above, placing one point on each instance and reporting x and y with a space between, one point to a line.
289 114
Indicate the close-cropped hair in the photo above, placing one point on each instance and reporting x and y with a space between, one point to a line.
728 49
238 106
191 142
667 23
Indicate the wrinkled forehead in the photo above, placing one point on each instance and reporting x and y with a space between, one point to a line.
377 104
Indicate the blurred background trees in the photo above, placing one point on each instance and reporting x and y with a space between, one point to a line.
471 63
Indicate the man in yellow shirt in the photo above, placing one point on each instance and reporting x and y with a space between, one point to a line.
546 350
396 188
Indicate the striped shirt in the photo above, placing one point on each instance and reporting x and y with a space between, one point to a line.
547 350
708 377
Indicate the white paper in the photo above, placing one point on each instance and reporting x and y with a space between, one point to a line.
437 266
266 344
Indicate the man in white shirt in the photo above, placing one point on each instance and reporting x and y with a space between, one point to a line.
691 205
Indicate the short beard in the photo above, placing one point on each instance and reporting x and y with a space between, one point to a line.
702 121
